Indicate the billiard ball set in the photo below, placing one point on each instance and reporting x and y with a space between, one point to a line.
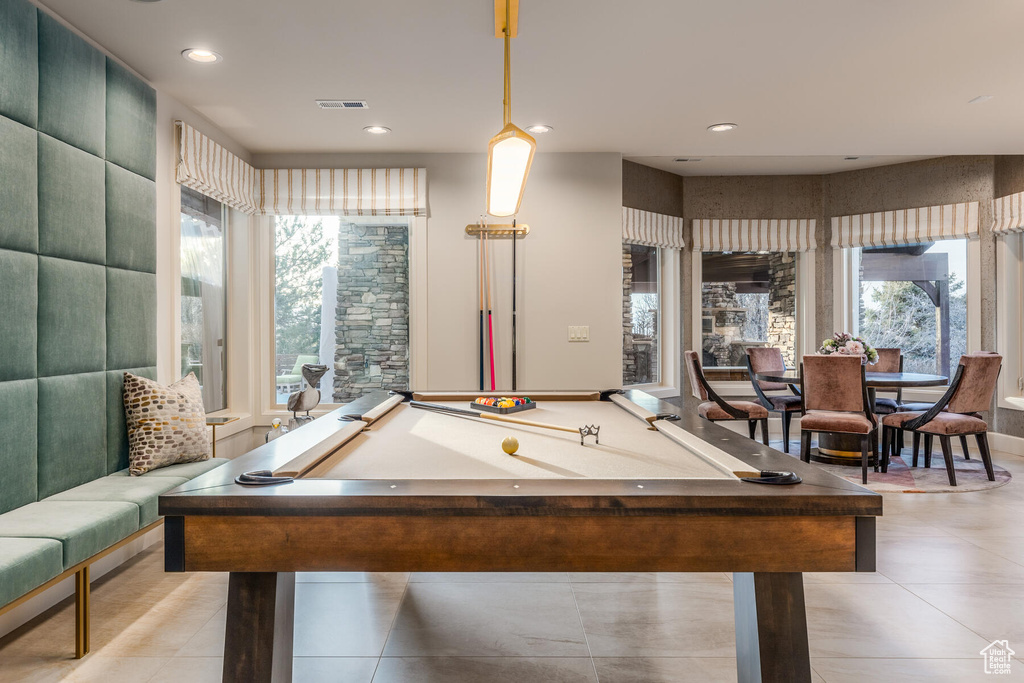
503 405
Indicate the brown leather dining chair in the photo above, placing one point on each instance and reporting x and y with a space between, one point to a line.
716 409
769 359
957 413
836 400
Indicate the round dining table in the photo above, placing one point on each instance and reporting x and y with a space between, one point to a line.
844 449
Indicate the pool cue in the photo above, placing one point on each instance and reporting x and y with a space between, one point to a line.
480 283
490 321
591 430
513 304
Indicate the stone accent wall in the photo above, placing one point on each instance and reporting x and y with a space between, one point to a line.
372 326
717 348
782 304
628 350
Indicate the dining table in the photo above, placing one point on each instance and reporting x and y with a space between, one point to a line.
844 449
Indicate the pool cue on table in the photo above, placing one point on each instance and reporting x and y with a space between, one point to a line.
480 283
490 321
584 431
513 304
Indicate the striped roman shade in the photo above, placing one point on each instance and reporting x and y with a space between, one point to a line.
742 234
1008 213
207 167
651 229
344 192
907 226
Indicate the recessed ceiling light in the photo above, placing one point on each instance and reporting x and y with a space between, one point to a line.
684 160
722 127
377 130
979 99
201 56
539 129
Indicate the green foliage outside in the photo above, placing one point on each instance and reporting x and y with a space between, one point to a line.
302 250
904 317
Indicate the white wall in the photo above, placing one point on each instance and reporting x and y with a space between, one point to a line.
570 268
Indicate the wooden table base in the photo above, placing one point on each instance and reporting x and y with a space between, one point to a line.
260 627
771 628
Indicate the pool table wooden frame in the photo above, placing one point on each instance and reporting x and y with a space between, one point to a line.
765 535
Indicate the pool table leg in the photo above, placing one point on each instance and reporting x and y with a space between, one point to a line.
260 625
771 628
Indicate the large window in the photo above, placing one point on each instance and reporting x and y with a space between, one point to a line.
914 298
203 292
641 315
747 299
341 299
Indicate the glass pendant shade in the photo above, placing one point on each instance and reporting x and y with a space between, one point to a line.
509 157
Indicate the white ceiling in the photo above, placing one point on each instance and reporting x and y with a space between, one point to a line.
812 80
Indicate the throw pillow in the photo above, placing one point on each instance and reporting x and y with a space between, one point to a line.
166 424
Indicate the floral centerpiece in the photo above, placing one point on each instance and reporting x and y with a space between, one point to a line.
847 345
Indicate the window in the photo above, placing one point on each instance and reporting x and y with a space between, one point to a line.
203 292
914 298
1010 321
641 315
341 298
747 299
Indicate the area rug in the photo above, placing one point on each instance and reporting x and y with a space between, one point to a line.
901 478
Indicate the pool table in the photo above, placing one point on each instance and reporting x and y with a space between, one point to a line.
382 486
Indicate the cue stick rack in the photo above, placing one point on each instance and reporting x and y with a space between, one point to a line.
498 230
512 230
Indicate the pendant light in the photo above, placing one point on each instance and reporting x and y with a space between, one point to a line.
510 152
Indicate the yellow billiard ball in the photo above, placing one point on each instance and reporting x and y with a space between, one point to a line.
510 445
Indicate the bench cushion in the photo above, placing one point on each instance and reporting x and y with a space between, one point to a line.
142 491
26 563
83 528
186 470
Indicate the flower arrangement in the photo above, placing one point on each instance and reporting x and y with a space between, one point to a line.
847 345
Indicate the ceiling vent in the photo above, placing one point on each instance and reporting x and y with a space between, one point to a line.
685 160
342 104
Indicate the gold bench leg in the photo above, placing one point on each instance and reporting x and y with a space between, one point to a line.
82 612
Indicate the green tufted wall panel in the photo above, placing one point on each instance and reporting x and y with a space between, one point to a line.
77 254
72 317
18 405
131 326
19 209
72 436
19 62
131 110
19 281
72 87
131 220
72 220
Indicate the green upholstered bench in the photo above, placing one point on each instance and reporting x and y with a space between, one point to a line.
45 542
293 380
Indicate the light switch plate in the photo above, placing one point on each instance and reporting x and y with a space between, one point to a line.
579 333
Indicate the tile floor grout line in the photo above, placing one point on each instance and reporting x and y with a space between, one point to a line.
586 638
398 609
927 602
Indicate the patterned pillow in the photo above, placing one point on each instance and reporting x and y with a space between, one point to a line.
166 425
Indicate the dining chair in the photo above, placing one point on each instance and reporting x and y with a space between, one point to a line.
957 413
769 359
889 360
716 409
836 400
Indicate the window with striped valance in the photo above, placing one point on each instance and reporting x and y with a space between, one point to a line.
343 192
652 229
207 167
906 226
1008 214
742 234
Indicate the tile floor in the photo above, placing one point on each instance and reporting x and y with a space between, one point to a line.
950 580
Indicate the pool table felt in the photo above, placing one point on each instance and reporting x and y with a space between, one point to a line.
409 443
